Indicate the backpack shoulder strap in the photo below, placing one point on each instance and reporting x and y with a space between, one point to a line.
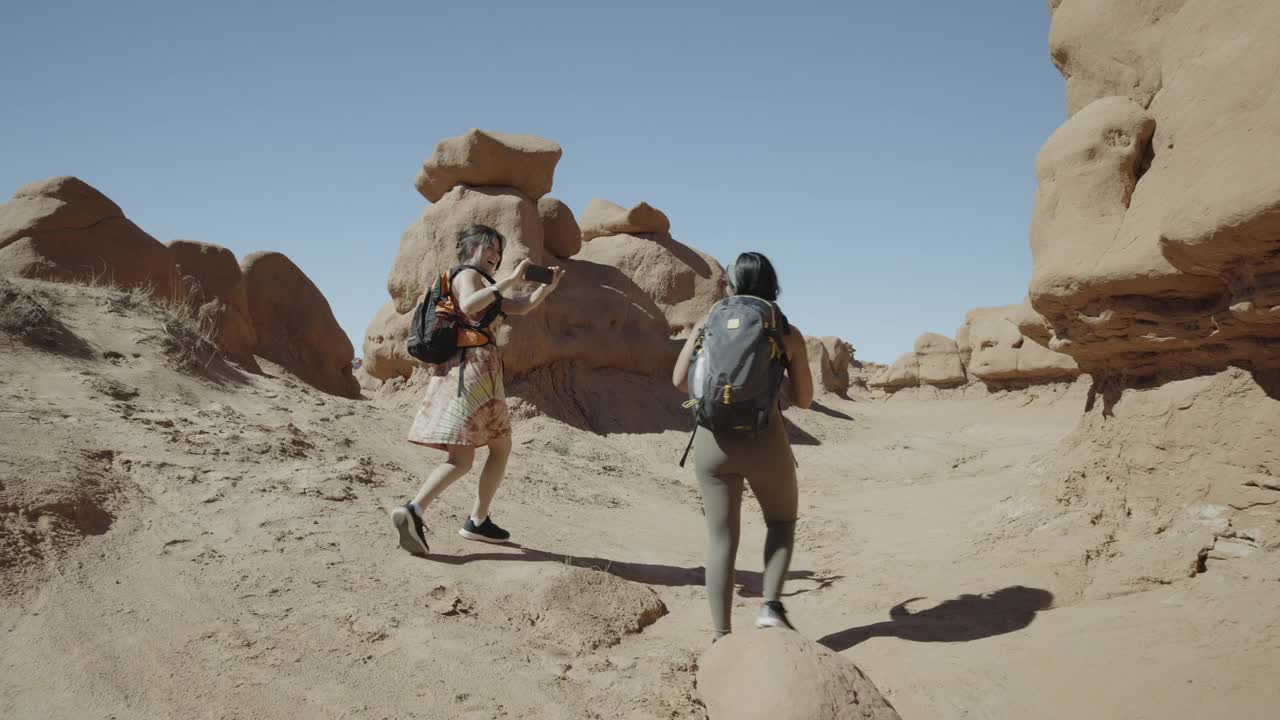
483 273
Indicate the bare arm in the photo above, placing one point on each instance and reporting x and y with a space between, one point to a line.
526 304
798 368
474 296
680 373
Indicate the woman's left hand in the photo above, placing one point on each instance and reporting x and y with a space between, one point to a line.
557 272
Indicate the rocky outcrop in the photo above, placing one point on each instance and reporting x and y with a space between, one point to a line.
623 306
1156 229
682 281
480 158
1158 483
602 218
1106 48
784 676
829 360
295 325
385 351
64 229
210 281
935 361
429 247
560 232
996 352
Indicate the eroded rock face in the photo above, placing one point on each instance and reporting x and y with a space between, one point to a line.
939 363
682 281
903 373
385 349
603 218
1158 483
1156 231
785 676
429 246
829 359
1108 48
64 229
998 353
209 279
560 232
478 158
295 325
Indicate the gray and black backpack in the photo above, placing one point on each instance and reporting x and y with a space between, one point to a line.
736 369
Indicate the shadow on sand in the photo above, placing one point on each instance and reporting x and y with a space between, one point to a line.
960 619
749 582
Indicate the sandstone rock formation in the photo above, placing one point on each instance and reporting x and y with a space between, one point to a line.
995 351
682 281
829 359
782 675
903 373
935 361
385 350
1156 230
1160 482
295 325
603 218
623 305
428 247
939 361
64 229
1156 246
481 158
561 235
209 279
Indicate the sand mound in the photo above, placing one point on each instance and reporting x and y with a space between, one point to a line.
780 675
583 609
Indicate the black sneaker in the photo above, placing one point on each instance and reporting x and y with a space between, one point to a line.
486 531
773 614
413 533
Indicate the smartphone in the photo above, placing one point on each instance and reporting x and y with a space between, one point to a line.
538 274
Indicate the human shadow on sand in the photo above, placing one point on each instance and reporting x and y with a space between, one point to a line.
749 582
960 619
830 412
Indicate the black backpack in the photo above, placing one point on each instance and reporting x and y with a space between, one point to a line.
737 366
433 334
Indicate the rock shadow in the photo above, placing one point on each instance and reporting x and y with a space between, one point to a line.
960 619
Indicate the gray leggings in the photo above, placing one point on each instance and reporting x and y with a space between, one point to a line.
765 461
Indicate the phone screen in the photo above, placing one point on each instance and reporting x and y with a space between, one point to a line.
538 274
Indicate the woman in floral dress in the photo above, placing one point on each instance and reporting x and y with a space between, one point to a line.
464 406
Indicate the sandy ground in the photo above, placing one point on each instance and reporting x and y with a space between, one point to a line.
218 545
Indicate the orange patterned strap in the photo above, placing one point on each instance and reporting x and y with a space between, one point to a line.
468 336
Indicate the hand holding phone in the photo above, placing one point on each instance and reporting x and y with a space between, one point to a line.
538 274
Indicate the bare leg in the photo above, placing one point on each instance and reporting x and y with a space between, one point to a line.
495 468
444 474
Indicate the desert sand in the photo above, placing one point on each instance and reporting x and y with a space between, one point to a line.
215 543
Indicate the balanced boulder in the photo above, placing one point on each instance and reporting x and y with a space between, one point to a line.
480 158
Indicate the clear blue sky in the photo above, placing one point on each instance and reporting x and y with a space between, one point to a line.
881 153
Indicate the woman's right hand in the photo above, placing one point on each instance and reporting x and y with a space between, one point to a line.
517 273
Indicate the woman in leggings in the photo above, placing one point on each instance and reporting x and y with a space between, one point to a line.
723 461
